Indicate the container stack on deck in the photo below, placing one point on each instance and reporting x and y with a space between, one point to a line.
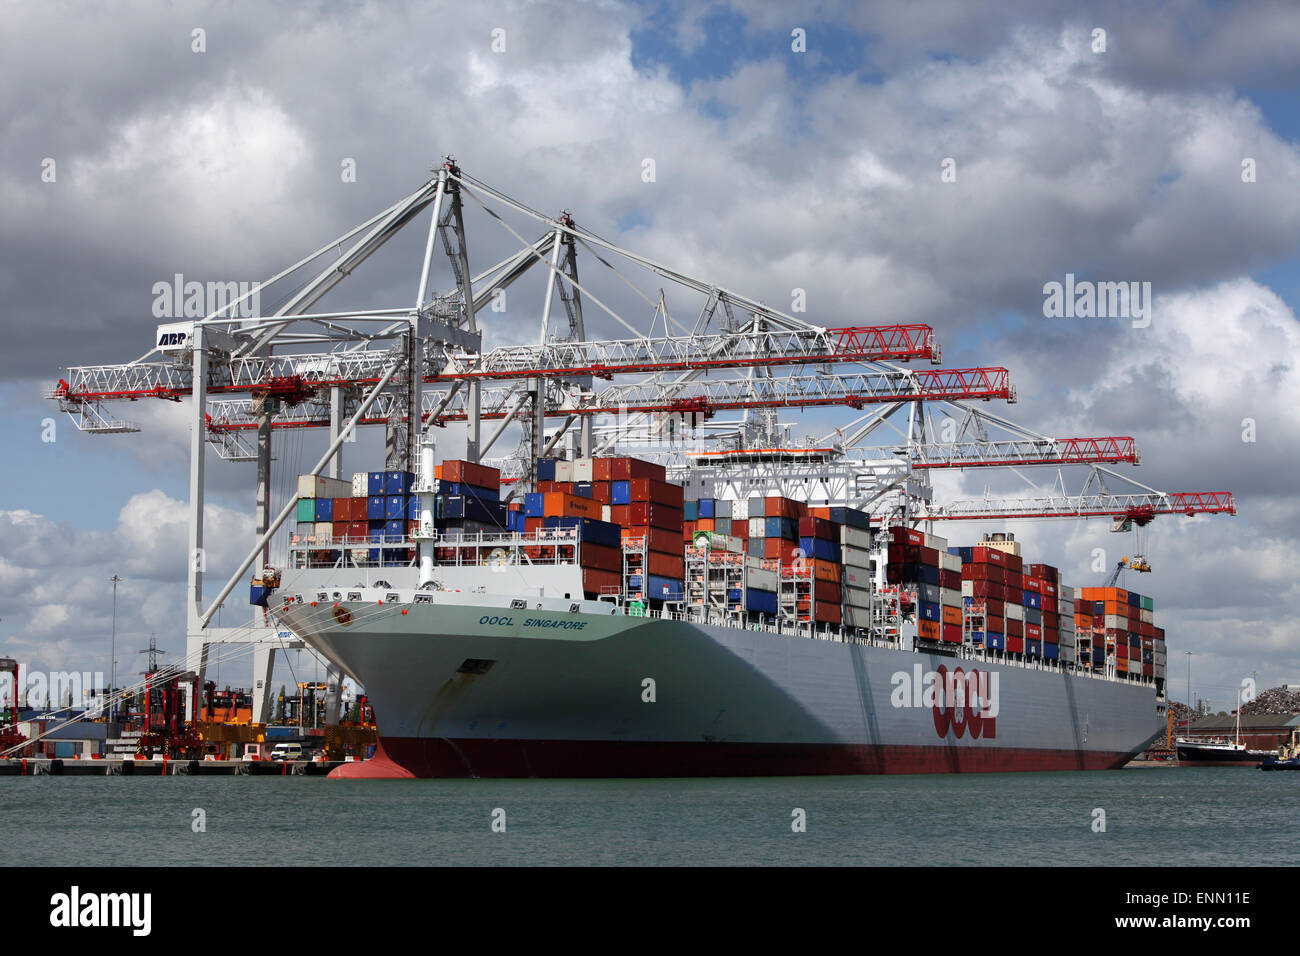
1122 626
921 562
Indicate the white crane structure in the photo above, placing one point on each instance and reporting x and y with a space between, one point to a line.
700 391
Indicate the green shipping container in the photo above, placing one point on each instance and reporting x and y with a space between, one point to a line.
306 509
1148 604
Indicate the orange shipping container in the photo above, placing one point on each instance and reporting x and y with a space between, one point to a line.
826 570
560 505
704 524
666 565
596 582
826 612
951 615
656 539
929 630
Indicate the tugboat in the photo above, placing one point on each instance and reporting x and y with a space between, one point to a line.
1287 758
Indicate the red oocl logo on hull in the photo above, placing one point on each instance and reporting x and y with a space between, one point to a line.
963 704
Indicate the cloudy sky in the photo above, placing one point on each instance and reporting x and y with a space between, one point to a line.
1171 156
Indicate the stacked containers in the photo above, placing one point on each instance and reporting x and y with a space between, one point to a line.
855 558
994 585
468 500
913 560
648 508
819 540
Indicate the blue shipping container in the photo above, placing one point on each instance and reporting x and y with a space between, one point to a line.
851 517
533 504
995 641
690 509
779 527
589 529
1032 599
663 589
324 509
395 529
374 483
820 548
582 489
394 507
1033 647
705 507
928 611
1052 652
546 469
375 508
760 602
398 482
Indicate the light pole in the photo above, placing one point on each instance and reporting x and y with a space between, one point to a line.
1189 688
112 658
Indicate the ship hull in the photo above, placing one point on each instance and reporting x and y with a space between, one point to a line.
474 691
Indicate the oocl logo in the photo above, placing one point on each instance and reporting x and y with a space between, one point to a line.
961 702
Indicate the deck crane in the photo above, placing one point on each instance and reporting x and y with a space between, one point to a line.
726 371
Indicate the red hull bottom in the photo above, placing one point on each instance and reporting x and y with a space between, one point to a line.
410 757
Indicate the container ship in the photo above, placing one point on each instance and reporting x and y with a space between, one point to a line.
609 624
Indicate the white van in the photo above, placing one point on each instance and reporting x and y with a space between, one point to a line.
287 752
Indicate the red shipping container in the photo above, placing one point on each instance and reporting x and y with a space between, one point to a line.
903 535
655 515
656 539
1015 645
777 549
1051 635
666 565
812 527
1050 619
625 469
980 555
1049 603
951 633
995 606
532 525
660 492
1032 584
600 556
1049 589
600 491
1014 563
1149 670
600 469
995 623
1016 628
950 579
361 529
470 473
785 508
596 582
1014 581
621 514
1033 632
688 531
826 612
826 590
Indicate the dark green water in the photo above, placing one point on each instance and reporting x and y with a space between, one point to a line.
1191 817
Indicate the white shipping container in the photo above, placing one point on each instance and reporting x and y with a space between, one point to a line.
740 509
1064 592
856 597
950 597
583 470
949 562
360 555
762 580
856 617
564 471
855 538
1068 654
316 486
1115 622
605 512
1147 617
1015 612
757 527
305 532
968 589
360 484
856 577
1067 639
855 558
934 541
324 532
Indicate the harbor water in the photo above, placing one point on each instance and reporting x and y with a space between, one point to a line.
1151 817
